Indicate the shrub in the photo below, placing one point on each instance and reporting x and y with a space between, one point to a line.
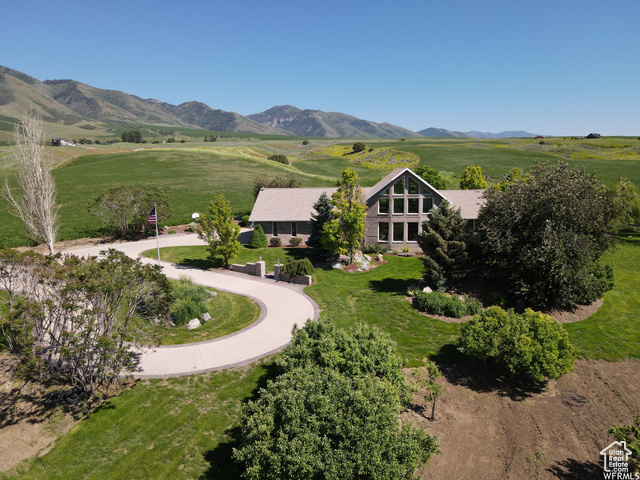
295 241
294 267
97 142
305 142
532 344
171 232
358 147
244 221
171 140
258 238
279 158
275 242
439 303
182 141
375 248
472 306
187 300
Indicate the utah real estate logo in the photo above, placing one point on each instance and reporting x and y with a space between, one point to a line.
616 462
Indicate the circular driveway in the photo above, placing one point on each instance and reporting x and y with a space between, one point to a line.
282 305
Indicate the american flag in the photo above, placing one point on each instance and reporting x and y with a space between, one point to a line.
152 218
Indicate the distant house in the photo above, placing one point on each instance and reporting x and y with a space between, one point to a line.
61 142
397 206
591 136
539 137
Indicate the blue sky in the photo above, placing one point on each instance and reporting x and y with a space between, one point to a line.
549 67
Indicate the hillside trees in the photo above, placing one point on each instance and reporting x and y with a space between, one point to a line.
544 236
324 214
332 412
472 179
219 230
431 176
36 204
276 182
627 204
131 136
444 242
126 208
358 147
345 233
79 318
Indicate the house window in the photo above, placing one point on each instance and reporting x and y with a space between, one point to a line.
412 231
383 205
398 187
398 232
275 229
398 205
413 205
414 188
385 192
383 232
427 204
294 229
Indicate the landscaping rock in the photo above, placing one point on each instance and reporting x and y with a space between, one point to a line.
206 317
366 257
427 290
380 257
337 265
193 323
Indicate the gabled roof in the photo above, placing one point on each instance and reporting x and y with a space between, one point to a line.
391 178
468 201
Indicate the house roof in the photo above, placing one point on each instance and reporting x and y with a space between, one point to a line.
296 204
468 201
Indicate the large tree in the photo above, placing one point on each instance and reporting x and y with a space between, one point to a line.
444 242
36 203
126 208
324 214
219 230
472 178
345 233
545 234
82 318
431 176
332 413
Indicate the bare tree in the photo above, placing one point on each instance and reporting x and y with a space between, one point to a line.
36 205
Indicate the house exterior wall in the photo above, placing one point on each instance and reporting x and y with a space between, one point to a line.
302 230
403 219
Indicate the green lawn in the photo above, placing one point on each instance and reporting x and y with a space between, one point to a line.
198 257
229 313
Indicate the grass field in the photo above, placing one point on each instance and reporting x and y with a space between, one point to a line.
229 313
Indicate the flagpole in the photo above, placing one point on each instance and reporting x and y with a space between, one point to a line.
157 236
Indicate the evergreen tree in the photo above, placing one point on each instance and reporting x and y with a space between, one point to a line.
443 241
258 238
324 207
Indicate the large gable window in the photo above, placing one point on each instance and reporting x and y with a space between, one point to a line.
414 188
398 232
398 205
383 232
413 205
383 205
398 187
427 204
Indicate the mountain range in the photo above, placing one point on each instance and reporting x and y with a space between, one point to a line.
70 102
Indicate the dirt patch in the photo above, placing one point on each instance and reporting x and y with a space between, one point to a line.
487 427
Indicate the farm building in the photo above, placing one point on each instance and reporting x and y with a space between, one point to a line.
397 206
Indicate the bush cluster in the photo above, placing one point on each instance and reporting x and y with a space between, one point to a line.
359 147
375 248
532 343
295 241
279 158
439 303
294 267
188 301
275 242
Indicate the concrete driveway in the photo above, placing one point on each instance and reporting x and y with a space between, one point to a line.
282 306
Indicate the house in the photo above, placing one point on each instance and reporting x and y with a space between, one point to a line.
397 206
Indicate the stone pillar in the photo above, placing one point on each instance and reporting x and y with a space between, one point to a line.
276 271
260 269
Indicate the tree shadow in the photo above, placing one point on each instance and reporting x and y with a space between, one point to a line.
222 466
200 263
391 285
571 469
486 378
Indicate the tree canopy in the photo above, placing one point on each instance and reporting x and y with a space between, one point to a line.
345 233
545 234
332 412
219 230
131 136
324 214
126 208
443 241
276 182
431 176
472 178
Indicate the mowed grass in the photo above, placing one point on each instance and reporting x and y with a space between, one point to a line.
198 256
613 332
229 313
175 428
190 177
